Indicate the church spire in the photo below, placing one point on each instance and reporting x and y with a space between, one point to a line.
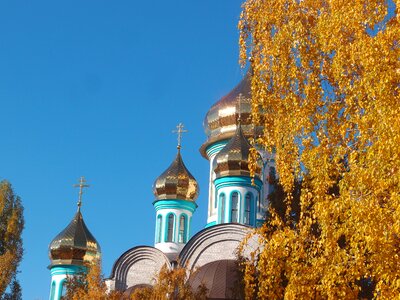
175 192
82 184
240 99
72 250
179 130
176 182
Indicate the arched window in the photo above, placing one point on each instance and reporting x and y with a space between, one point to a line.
63 288
182 229
248 204
170 228
52 290
222 205
272 175
234 208
159 229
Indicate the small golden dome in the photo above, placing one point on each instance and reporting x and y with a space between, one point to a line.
220 121
176 182
75 245
233 159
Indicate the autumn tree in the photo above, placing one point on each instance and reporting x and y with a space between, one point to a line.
89 286
170 284
11 226
325 85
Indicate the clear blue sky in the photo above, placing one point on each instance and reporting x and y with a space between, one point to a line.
94 88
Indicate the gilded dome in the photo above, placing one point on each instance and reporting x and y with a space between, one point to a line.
176 182
233 159
220 121
75 245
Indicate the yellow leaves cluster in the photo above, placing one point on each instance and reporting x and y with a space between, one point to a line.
326 87
11 226
89 286
171 284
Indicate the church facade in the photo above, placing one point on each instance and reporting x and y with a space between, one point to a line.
237 203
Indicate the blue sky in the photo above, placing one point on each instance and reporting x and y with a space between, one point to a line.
94 88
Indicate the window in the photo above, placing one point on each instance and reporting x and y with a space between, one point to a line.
248 203
222 205
182 229
52 290
158 229
234 208
170 228
272 175
63 288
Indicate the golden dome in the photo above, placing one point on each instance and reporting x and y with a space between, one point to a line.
220 121
176 182
233 159
75 245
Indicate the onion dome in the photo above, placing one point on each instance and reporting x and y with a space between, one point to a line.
75 245
220 121
176 182
233 159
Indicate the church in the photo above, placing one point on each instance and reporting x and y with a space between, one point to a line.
237 202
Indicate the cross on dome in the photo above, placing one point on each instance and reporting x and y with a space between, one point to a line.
179 130
240 98
82 184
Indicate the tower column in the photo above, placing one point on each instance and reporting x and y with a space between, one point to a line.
211 152
173 218
71 251
59 276
237 192
237 199
176 191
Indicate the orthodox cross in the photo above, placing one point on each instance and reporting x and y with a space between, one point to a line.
179 130
240 98
82 184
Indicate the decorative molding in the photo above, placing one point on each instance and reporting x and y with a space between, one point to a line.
127 261
213 244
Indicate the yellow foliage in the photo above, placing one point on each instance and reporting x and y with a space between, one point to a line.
89 286
326 84
170 284
11 226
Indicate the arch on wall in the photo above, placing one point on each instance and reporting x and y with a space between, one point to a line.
215 243
132 262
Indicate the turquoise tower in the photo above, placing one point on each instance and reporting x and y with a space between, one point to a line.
175 191
71 251
237 192
221 125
